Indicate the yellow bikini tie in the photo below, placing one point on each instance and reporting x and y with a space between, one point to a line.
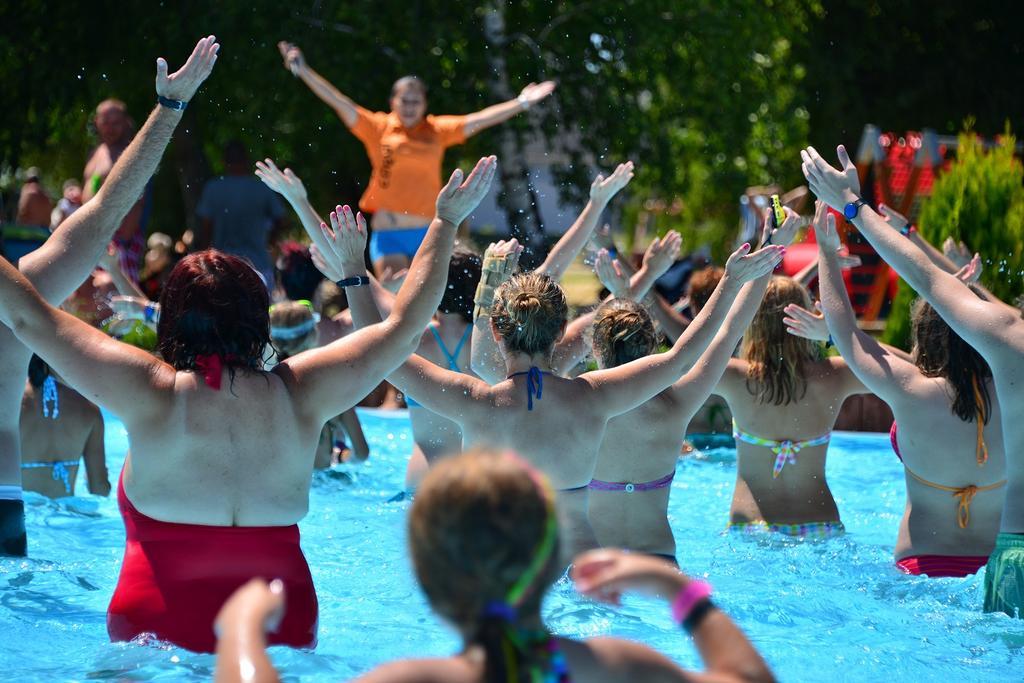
981 450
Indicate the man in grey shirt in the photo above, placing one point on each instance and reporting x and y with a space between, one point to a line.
240 215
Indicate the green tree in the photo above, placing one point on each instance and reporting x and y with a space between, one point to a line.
979 200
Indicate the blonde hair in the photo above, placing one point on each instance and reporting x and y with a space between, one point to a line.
776 359
530 313
292 316
623 332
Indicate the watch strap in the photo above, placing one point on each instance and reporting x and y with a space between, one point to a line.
177 105
357 281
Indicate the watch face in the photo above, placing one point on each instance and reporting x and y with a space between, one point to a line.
850 211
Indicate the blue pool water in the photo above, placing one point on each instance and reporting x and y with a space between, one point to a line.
819 611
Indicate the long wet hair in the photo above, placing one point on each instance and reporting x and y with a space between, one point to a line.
941 352
777 361
623 332
475 528
464 270
530 313
214 304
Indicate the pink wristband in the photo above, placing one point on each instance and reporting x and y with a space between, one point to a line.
684 603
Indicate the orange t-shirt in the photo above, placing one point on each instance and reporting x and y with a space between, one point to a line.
406 162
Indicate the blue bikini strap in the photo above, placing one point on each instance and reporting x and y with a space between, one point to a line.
453 358
534 384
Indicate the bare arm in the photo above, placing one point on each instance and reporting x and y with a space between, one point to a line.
622 388
694 388
241 628
64 261
98 366
343 106
499 113
882 372
359 361
125 287
602 190
992 328
95 457
728 655
354 429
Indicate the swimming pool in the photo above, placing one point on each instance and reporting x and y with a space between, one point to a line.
818 611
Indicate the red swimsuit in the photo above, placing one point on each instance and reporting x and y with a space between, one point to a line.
175 578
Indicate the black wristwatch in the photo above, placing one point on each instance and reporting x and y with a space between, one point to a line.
357 281
177 105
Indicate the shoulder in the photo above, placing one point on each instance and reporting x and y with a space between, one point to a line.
623 660
441 670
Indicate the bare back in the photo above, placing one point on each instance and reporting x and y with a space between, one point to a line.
938 446
640 446
436 435
561 436
238 456
49 445
800 493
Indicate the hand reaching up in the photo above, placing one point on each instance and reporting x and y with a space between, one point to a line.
893 217
825 229
957 252
835 186
285 183
346 241
785 233
971 272
535 92
603 189
743 266
183 83
803 323
609 272
460 198
292 55
662 253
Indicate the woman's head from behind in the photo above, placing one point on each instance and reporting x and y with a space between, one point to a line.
623 332
213 304
484 538
295 270
464 270
776 358
941 352
530 313
292 328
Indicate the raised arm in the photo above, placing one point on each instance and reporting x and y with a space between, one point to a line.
499 264
99 367
65 260
882 372
110 262
602 190
992 328
343 106
728 655
362 359
622 388
438 389
499 113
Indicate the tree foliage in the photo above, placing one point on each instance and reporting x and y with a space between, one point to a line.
706 96
980 201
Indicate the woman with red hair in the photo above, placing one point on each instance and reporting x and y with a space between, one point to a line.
218 477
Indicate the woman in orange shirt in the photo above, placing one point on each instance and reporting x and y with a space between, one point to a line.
406 147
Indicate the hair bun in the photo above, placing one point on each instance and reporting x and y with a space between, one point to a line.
524 305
